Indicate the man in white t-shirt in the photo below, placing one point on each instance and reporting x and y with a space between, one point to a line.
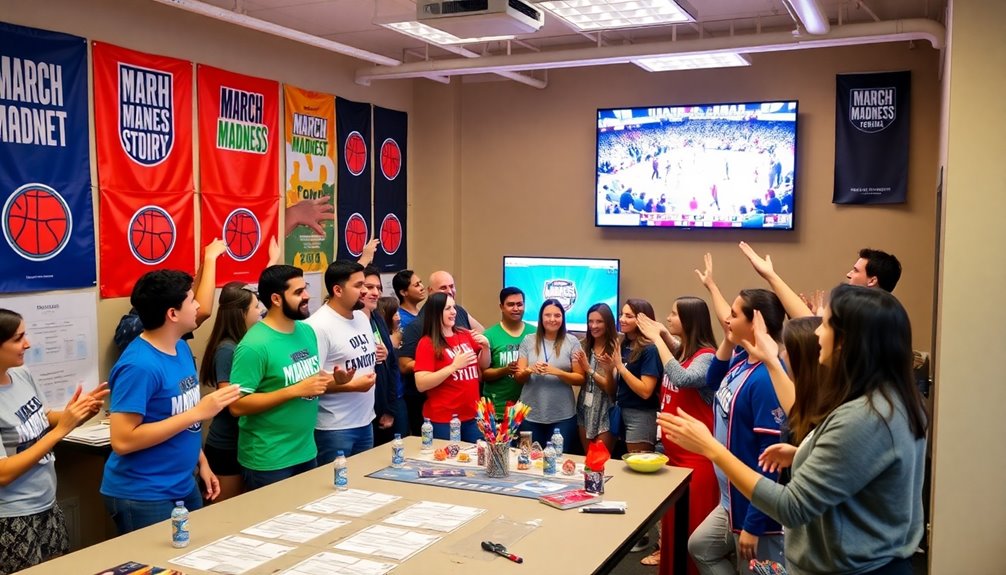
345 340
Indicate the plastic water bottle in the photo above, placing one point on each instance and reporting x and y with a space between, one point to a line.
341 472
548 466
557 442
397 452
455 429
427 431
180 525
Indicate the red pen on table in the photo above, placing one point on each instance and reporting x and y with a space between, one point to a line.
499 549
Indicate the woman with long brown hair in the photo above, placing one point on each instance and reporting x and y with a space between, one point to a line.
237 310
596 398
637 365
854 503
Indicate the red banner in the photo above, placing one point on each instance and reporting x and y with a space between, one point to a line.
142 120
143 133
140 233
238 168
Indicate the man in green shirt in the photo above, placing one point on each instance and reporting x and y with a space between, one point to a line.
504 340
277 366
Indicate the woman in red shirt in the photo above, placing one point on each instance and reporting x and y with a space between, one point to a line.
449 364
684 386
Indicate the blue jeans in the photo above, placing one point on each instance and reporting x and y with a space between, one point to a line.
542 433
132 514
255 479
349 441
469 431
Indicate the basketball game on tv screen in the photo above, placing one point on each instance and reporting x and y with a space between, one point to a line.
705 166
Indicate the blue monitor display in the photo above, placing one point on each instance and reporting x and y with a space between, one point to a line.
576 282
704 166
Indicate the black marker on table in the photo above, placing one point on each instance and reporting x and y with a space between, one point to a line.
604 510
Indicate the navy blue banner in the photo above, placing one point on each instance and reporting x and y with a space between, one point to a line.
45 176
871 138
352 136
391 130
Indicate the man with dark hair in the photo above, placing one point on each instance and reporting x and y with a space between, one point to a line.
345 343
875 268
277 368
389 401
411 292
504 342
157 411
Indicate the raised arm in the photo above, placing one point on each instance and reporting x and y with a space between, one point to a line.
206 279
791 301
766 350
721 307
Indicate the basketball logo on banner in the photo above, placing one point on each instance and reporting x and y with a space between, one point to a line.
146 114
152 234
37 222
356 235
391 234
391 159
242 234
356 153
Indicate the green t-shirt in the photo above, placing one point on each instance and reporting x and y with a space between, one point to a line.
504 350
267 360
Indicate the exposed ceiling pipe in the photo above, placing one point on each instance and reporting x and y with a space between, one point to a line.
515 76
814 20
850 34
277 30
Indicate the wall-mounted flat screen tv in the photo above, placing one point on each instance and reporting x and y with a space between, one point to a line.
577 283
699 166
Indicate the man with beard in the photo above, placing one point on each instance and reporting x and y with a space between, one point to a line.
277 367
345 344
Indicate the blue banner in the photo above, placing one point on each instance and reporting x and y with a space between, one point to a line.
45 175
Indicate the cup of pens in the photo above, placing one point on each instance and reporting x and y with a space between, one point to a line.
499 434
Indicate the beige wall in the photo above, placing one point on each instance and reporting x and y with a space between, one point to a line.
969 507
165 30
526 176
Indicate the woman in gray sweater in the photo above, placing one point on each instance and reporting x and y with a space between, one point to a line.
854 504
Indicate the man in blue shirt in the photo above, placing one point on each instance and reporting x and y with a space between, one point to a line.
156 410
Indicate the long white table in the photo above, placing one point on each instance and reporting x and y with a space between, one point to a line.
565 541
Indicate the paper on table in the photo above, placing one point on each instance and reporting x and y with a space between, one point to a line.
352 502
232 555
296 527
391 542
442 517
326 563
91 435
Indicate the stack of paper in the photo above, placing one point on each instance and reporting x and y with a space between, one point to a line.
97 435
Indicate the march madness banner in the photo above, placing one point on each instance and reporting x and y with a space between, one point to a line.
141 233
238 171
143 120
871 138
353 137
310 178
45 177
391 129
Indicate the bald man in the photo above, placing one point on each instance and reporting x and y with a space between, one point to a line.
440 281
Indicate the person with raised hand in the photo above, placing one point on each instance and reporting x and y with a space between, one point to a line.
795 305
32 525
684 386
747 420
854 503
157 410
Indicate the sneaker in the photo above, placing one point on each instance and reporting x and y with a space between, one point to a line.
642 544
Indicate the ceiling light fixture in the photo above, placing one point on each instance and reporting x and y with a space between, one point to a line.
592 15
426 33
692 61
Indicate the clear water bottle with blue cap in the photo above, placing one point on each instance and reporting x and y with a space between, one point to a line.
557 443
455 429
341 471
548 464
179 525
397 452
427 431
